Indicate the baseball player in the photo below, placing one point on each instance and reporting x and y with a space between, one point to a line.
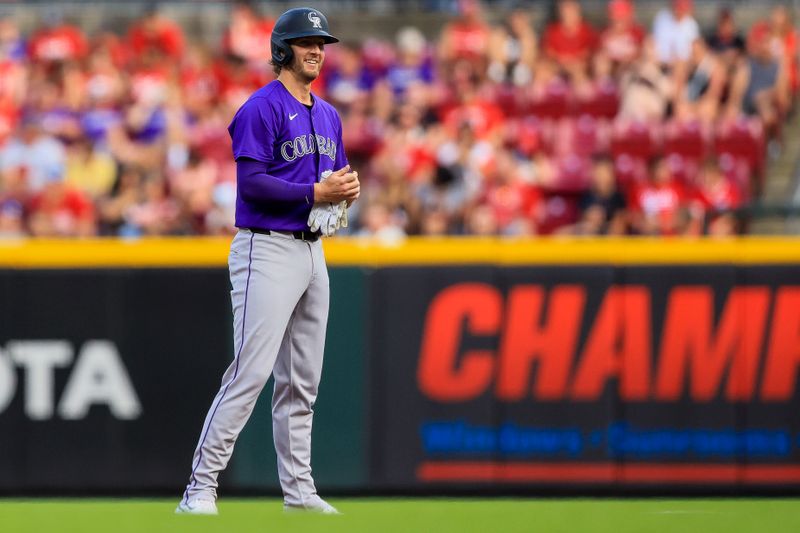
285 140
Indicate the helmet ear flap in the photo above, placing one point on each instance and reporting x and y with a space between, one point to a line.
281 52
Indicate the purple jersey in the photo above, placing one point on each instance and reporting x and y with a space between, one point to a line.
296 143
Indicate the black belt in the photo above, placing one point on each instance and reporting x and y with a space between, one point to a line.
300 235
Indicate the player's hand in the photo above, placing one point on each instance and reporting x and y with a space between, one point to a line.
342 185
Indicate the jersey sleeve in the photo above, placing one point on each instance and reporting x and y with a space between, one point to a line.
341 156
256 186
253 131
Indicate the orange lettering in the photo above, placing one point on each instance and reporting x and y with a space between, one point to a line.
618 345
440 376
528 338
780 372
687 340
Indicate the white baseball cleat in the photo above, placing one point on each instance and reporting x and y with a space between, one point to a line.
313 505
200 507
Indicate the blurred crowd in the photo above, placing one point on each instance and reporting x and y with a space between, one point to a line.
490 129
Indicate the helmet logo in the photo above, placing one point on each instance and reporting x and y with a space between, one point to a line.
315 20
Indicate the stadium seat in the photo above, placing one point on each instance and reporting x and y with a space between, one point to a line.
573 174
686 139
629 171
604 103
684 169
636 139
559 210
554 103
585 136
742 139
739 172
526 135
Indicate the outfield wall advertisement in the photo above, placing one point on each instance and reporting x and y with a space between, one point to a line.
106 376
103 375
591 375
453 365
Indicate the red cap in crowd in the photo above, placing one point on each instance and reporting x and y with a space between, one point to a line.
620 10
682 7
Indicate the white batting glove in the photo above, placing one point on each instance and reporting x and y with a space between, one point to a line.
315 217
332 223
326 217
342 215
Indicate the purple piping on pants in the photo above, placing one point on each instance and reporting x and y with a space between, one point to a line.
193 480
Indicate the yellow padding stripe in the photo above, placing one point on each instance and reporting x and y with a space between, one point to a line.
564 251
213 252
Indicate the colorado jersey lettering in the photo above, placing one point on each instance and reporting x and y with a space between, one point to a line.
297 144
306 145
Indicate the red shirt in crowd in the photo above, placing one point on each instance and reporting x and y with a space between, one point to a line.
659 202
60 43
249 39
467 40
149 85
8 120
721 195
510 201
483 117
237 81
565 46
115 46
12 76
199 82
623 45
65 209
162 34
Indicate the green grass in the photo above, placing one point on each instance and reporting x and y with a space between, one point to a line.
428 514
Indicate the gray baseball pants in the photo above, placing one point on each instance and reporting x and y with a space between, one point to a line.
280 311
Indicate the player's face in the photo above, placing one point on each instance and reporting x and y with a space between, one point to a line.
309 54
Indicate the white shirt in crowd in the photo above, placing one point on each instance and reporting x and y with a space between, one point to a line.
673 38
42 160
